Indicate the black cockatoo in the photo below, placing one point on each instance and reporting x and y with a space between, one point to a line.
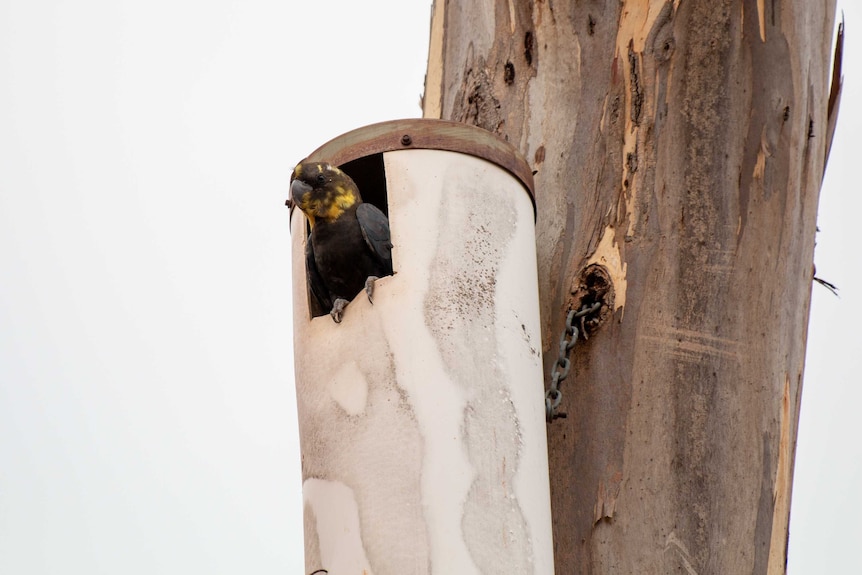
349 246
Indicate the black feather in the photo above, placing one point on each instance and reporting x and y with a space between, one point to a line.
320 301
375 229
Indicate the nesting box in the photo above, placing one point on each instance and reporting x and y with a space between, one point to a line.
421 416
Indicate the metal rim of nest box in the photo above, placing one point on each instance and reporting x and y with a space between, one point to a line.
426 134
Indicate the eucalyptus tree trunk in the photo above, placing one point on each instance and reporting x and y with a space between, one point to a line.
679 148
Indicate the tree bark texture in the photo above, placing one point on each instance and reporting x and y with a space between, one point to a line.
679 147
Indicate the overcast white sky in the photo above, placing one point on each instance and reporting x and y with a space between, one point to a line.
147 416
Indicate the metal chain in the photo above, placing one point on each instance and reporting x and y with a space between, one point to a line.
563 365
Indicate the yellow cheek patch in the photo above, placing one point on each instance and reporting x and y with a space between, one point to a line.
309 208
333 208
333 211
344 198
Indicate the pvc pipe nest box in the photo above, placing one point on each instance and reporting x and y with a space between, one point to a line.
422 415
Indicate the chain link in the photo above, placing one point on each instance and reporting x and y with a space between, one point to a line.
553 397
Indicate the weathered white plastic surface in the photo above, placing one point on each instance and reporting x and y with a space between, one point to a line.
422 416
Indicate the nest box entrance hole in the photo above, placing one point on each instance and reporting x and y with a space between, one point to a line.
369 175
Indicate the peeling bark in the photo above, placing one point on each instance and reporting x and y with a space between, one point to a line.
681 145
